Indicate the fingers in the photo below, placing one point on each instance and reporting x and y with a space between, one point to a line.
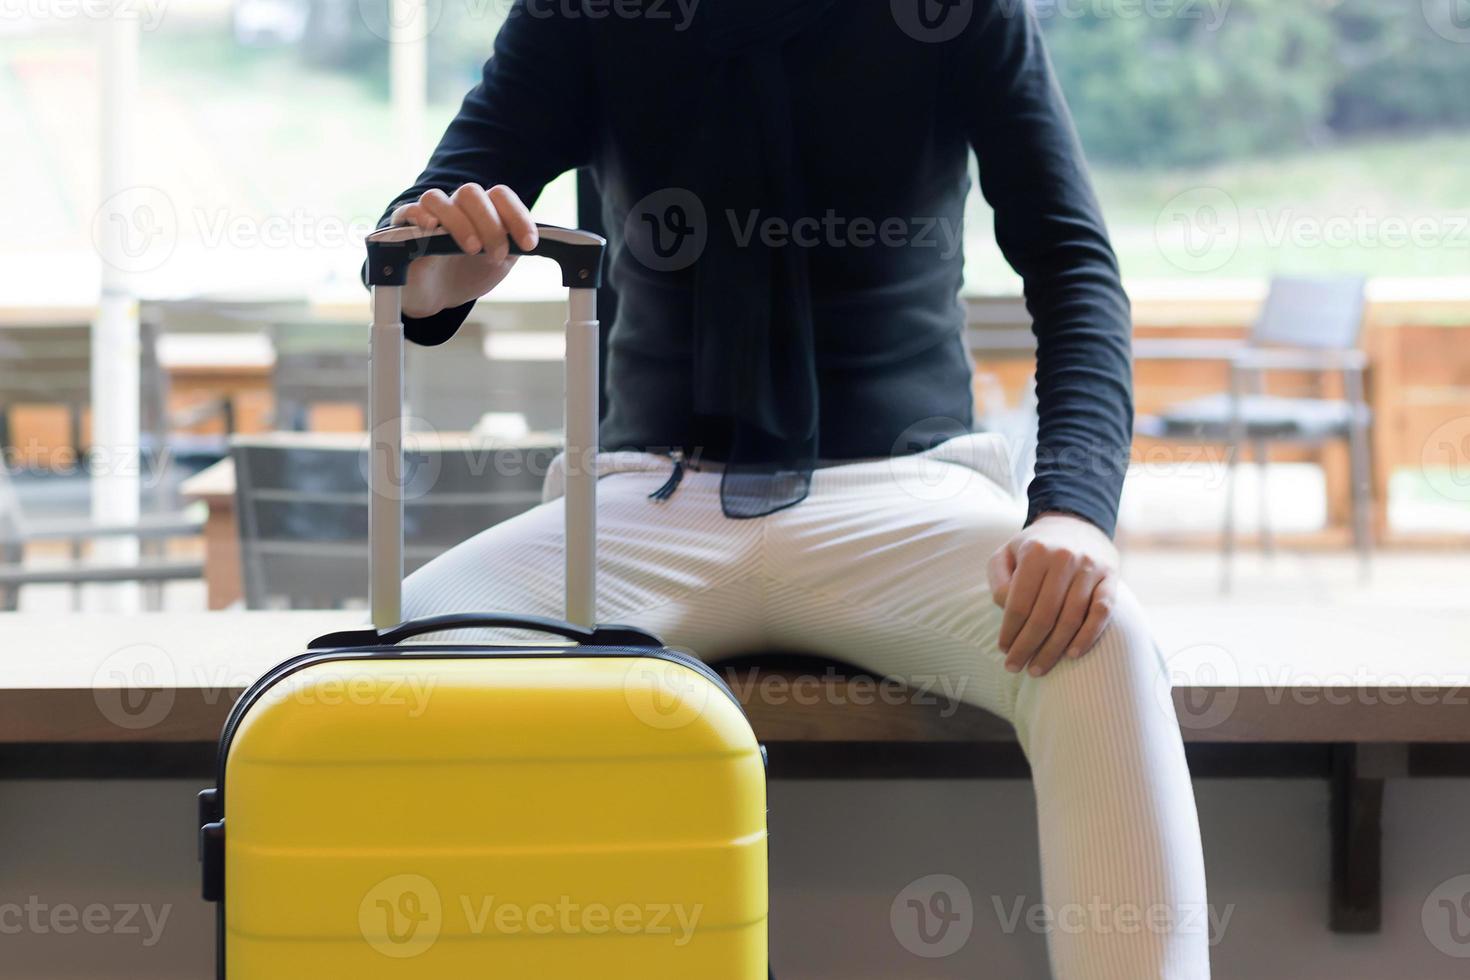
477 219
1024 589
472 201
1056 580
999 570
452 219
1099 614
515 216
1042 616
1075 609
414 213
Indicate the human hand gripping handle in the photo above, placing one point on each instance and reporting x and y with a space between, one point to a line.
391 253
485 224
392 250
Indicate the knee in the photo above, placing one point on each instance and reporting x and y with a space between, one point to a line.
473 575
1127 644
1118 677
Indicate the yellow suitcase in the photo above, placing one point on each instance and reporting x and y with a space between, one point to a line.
590 807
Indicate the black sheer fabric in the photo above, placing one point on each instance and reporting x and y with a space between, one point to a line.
755 371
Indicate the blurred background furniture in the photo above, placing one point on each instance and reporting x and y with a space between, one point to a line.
45 364
152 531
502 372
998 334
51 364
181 322
318 363
301 507
1308 326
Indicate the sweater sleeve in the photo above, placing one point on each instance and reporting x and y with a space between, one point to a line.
1049 226
528 120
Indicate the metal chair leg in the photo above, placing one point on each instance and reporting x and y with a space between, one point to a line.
1236 436
11 554
1263 498
1360 475
1362 498
152 591
1227 531
76 587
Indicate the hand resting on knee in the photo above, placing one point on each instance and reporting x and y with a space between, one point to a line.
1056 581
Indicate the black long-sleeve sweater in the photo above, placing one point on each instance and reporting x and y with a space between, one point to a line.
885 108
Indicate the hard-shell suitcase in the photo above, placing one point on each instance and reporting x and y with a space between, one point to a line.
592 809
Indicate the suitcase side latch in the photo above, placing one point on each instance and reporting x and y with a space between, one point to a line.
212 857
211 847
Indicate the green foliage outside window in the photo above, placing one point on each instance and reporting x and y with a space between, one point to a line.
1199 81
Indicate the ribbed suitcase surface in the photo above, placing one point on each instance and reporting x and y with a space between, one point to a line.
494 813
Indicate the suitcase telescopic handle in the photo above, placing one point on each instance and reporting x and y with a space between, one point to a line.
390 252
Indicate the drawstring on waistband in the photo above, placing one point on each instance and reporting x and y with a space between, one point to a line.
675 478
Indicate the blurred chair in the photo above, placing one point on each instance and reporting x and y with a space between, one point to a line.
45 364
51 365
1307 325
318 362
479 371
152 532
302 501
217 315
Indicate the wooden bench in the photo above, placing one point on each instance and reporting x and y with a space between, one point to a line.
1355 698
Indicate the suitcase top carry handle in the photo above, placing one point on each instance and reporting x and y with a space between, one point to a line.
392 250
601 636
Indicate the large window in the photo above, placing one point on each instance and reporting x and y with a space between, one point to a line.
264 142
1230 139
1235 139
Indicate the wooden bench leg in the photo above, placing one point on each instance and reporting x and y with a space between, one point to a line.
1356 803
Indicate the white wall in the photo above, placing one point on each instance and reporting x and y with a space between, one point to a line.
841 854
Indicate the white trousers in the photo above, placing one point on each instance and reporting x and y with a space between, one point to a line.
883 567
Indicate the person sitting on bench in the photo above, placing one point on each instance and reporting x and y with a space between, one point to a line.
790 461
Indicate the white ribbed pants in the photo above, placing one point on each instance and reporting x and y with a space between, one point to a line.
883 567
